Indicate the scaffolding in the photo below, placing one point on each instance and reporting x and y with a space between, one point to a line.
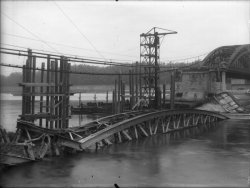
45 93
150 56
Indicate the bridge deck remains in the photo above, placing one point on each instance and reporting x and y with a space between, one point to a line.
33 142
134 125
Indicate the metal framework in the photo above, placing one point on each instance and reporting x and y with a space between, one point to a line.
150 55
144 125
33 142
132 125
231 58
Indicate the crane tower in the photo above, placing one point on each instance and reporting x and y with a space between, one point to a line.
149 60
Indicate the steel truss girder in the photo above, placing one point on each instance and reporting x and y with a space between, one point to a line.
152 123
124 127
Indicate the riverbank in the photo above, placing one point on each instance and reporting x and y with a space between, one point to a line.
74 88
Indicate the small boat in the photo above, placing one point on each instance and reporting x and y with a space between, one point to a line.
90 108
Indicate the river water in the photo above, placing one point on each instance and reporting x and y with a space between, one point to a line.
214 156
11 107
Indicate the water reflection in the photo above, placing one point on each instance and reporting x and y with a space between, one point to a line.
11 109
81 119
215 155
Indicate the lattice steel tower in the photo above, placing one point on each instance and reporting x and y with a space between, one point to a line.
149 60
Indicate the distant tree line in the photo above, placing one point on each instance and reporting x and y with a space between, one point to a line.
85 79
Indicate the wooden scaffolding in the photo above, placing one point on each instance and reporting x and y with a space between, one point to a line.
45 92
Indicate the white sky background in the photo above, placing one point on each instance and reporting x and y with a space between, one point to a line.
114 28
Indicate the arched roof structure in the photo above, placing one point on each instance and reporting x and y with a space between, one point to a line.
234 58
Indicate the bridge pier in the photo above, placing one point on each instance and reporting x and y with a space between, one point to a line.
223 81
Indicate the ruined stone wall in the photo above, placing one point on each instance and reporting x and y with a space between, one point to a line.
202 83
196 85
195 82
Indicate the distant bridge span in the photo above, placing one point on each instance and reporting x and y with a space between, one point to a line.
234 59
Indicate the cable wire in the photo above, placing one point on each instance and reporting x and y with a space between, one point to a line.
27 30
117 60
69 46
81 72
71 21
19 52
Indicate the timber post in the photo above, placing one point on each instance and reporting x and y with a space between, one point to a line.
53 86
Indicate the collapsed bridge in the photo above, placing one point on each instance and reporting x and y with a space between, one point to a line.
32 142
52 135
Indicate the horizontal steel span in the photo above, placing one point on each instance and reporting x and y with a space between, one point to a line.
141 125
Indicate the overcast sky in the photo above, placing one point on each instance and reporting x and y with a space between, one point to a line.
113 28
